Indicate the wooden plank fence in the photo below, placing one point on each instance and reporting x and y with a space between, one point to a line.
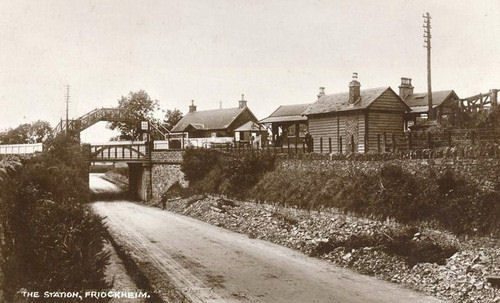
385 142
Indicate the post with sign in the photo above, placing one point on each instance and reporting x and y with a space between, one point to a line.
149 148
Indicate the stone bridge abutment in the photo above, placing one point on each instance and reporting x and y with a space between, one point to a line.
149 180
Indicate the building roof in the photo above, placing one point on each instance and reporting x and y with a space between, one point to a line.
418 102
340 102
250 126
286 113
209 119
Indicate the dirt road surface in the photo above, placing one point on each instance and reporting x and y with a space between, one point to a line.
98 185
211 264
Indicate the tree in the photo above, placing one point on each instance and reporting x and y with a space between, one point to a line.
137 107
40 131
171 118
36 132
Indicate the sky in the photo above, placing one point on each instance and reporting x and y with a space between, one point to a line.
211 51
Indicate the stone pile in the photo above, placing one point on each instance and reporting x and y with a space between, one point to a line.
468 276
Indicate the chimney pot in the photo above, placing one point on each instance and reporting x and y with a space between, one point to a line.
242 103
354 89
192 107
405 89
321 92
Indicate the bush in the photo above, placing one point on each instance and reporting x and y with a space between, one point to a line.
51 241
196 163
210 171
444 198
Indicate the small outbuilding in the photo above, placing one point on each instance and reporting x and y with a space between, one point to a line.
288 124
356 121
445 104
252 134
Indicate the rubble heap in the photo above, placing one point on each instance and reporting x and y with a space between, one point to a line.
469 275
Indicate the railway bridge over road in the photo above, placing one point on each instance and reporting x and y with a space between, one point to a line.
152 167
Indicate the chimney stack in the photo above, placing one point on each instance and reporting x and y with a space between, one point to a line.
321 92
242 103
354 89
405 89
192 107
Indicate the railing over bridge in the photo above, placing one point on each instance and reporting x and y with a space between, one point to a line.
89 119
20 149
102 114
479 101
120 151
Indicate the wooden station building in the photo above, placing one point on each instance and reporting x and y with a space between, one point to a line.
354 121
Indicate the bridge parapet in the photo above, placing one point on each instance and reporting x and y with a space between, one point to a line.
132 152
167 156
20 149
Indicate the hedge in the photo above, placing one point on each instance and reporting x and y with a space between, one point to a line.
51 241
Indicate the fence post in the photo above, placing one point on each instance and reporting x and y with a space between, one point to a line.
330 145
473 137
366 144
304 146
288 144
409 141
378 143
385 142
352 144
296 144
449 138
340 144
393 142
320 145
429 140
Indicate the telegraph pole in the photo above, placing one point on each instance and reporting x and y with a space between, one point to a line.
427 45
67 108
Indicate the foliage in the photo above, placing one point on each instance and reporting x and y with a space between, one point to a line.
390 192
36 132
51 241
137 107
483 119
197 163
242 173
210 171
171 118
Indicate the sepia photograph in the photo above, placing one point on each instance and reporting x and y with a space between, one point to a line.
277 151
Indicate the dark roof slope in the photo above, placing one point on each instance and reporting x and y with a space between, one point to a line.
251 126
420 99
340 102
287 113
209 119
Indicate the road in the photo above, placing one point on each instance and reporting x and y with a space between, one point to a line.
98 185
211 264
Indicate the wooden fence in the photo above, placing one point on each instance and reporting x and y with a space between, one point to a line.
385 142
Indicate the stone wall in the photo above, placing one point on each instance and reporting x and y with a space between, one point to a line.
167 156
164 176
166 171
483 171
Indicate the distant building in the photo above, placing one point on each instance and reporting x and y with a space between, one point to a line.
213 126
288 124
251 133
444 103
355 121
